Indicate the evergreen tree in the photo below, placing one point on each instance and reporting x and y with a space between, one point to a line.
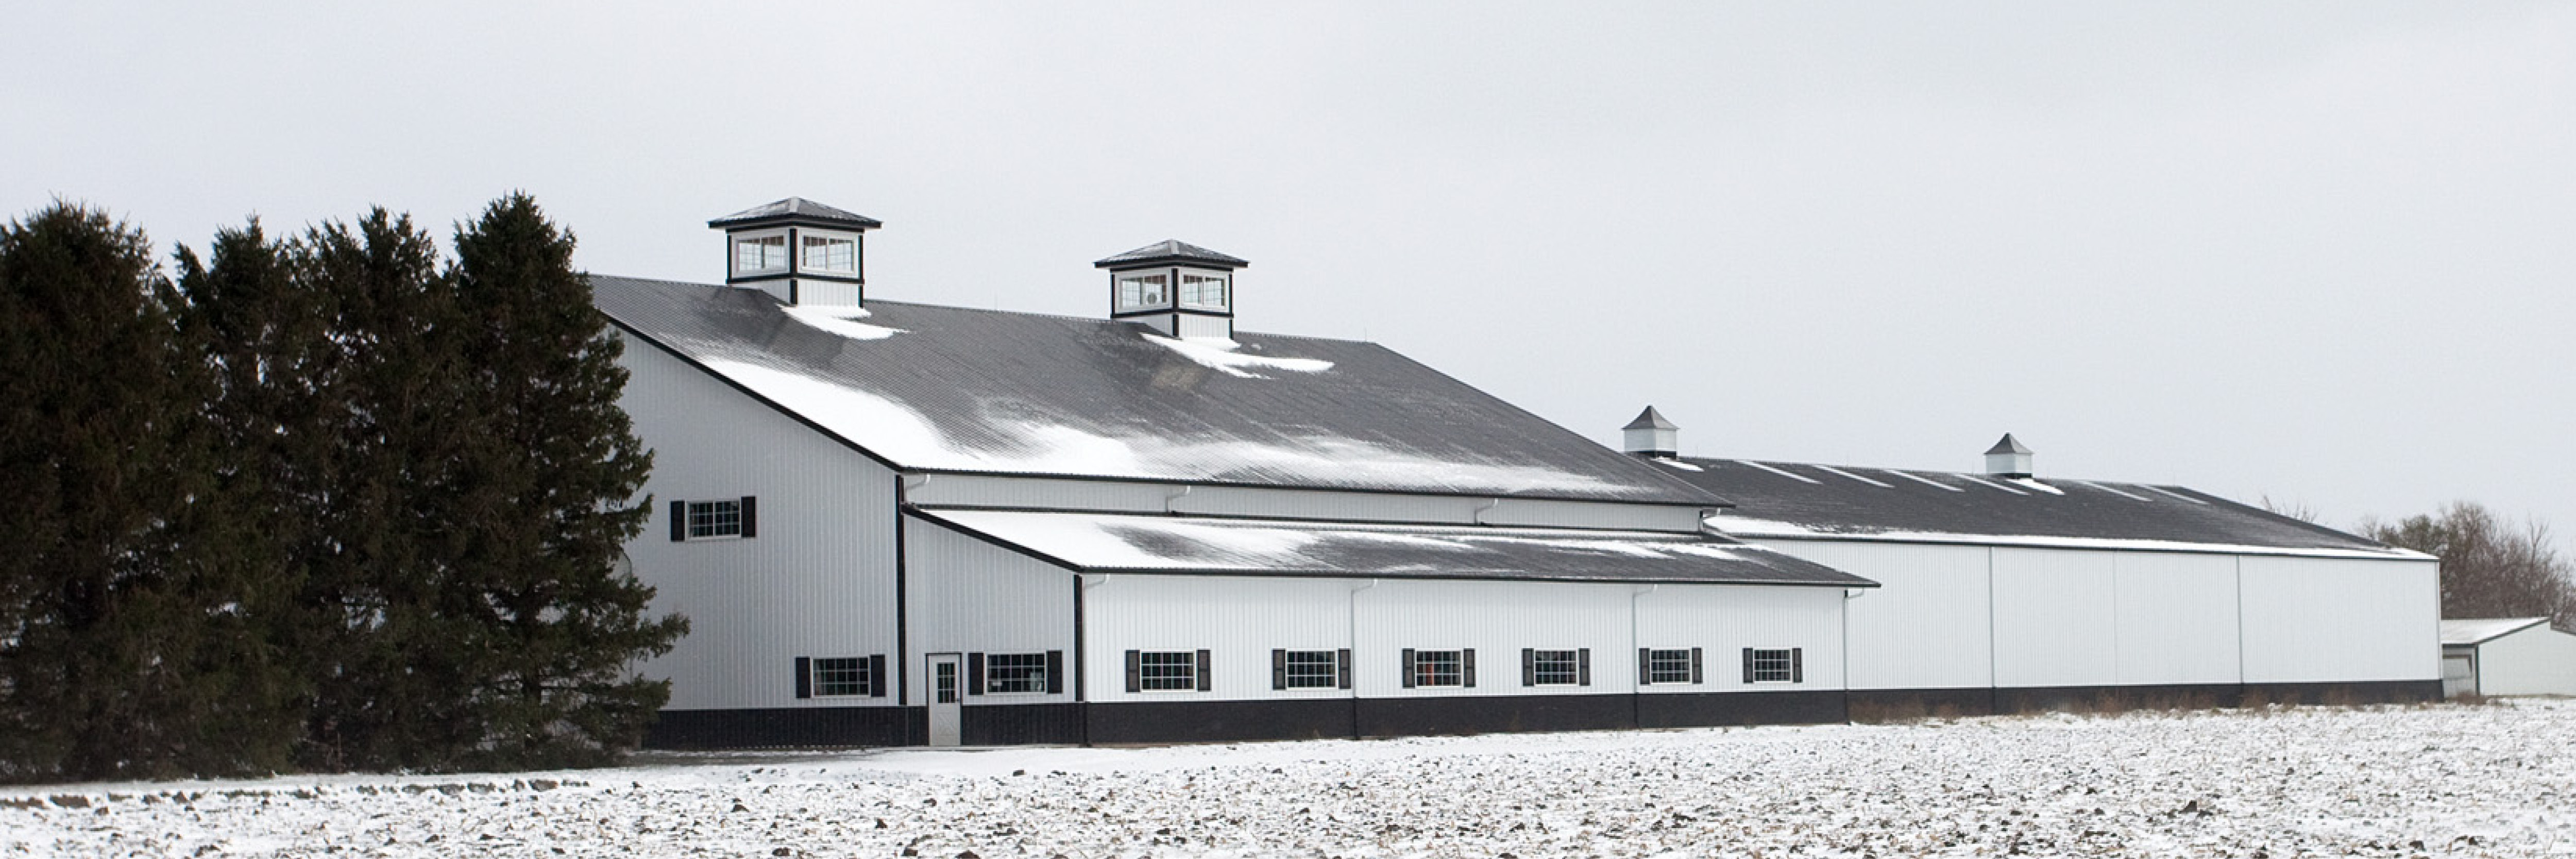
128 644
545 494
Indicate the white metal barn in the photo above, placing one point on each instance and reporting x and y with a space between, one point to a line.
2001 591
897 523
2507 656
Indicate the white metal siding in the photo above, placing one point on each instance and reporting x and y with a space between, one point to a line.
1723 621
2176 616
969 596
1495 618
1927 624
1238 620
2055 619
2310 620
817 580
2535 661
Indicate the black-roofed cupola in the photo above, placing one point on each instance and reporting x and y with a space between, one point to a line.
1178 288
2008 458
799 250
1651 435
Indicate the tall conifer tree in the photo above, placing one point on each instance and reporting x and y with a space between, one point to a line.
128 646
547 485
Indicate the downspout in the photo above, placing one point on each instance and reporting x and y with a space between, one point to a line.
1478 517
1849 594
1171 500
1354 636
1083 584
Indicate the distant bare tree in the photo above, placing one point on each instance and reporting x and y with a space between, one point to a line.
2490 568
2294 509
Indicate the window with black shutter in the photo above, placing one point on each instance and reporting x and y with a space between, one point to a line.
1055 672
1470 670
1408 668
1305 669
804 677
877 676
728 519
750 517
1279 669
974 674
1207 672
1773 665
1342 667
1135 671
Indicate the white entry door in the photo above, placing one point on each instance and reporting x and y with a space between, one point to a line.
946 699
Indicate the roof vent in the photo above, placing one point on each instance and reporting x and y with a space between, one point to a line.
798 250
2008 458
1651 435
1178 288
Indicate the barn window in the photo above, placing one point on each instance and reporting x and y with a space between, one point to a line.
714 520
1552 667
760 253
1142 290
1671 666
1168 670
1015 672
1771 666
834 254
1308 669
1439 668
843 675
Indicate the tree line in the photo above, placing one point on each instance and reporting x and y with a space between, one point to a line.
328 502
2490 567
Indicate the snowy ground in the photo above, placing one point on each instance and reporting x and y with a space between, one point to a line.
2442 780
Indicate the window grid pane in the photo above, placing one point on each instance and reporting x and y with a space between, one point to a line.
1141 291
715 519
1168 671
830 254
1311 669
1438 668
1198 290
1015 672
840 676
1771 666
1668 666
1553 668
760 254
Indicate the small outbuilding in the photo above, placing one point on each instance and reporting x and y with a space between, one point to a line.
2507 656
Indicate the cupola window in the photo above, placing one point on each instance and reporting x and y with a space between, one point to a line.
1203 291
830 254
759 253
1142 290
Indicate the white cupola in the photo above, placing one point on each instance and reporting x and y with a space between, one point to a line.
1651 435
2008 458
798 250
1177 288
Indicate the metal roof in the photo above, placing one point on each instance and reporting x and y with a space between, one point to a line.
795 210
2007 444
1650 419
2482 630
1171 251
1804 500
950 389
1108 542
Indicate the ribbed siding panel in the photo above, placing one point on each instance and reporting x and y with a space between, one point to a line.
2056 618
1723 621
2317 620
817 581
969 596
1238 620
1497 619
1926 626
2176 618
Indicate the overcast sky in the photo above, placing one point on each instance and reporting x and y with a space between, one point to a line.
2322 252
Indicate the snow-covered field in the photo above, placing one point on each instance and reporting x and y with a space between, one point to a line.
2441 780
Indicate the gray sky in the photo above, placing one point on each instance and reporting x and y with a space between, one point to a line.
2320 251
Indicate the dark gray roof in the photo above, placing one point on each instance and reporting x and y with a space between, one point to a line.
1171 252
1650 419
2007 444
1106 542
952 389
1800 500
796 210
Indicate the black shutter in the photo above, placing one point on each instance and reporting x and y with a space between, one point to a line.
1748 665
1278 669
1055 672
1583 666
1207 673
1529 667
1696 678
1135 672
876 676
1797 665
1467 658
1342 667
804 677
750 516
1408 668
1645 667
679 521
974 674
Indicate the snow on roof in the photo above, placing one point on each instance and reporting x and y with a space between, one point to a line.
1808 501
2483 630
955 389
1107 542
795 209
